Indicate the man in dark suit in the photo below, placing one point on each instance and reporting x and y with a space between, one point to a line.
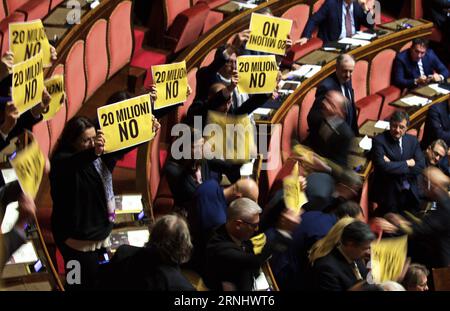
155 266
230 260
338 19
418 66
437 124
343 266
438 11
398 162
341 81
436 155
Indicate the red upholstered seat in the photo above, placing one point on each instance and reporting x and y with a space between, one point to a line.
369 108
272 161
187 27
146 59
172 8
57 123
139 36
42 135
297 51
364 201
74 78
192 81
96 57
2 11
35 9
305 107
4 32
120 37
290 130
55 3
298 14
389 94
208 59
286 170
359 79
163 202
212 19
211 3
406 46
13 5
317 5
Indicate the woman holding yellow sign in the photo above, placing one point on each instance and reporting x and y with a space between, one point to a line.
82 193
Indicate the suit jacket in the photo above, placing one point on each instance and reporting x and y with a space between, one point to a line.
406 70
329 20
332 84
389 177
334 273
141 268
227 262
437 124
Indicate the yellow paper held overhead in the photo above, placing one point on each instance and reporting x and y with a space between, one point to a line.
258 242
171 84
29 167
268 34
229 137
126 123
55 87
388 257
28 83
294 196
257 74
27 39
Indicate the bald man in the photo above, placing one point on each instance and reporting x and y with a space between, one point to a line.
340 81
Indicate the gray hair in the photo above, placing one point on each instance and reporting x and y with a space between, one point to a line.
242 208
391 286
170 235
342 58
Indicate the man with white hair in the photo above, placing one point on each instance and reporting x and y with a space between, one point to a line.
230 260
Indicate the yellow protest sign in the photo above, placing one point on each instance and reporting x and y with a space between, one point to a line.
171 84
294 196
28 83
268 34
258 242
388 257
27 39
229 137
29 167
257 74
126 123
55 87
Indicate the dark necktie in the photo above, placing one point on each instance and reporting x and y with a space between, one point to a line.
348 21
349 118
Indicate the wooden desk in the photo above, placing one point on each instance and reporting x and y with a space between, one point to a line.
368 128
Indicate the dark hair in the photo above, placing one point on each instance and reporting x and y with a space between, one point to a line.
420 41
118 97
441 143
399 116
348 208
411 278
170 235
72 131
357 232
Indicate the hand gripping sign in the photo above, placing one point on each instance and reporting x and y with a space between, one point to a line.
27 40
294 196
257 74
55 87
268 34
29 166
126 123
171 84
28 83
388 257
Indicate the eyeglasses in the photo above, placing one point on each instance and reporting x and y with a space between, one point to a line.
253 225
437 154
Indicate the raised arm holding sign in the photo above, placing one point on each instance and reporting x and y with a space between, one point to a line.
55 88
171 84
268 34
126 123
257 74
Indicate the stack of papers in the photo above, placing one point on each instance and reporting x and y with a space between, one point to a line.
382 125
415 101
262 111
288 87
438 89
366 143
306 71
364 36
354 42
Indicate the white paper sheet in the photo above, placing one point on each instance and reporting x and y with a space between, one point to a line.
246 5
354 42
132 202
288 91
25 253
306 71
382 125
10 217
415 101
438 89
9 175
366 143
363 36
261 283
138 237
247 168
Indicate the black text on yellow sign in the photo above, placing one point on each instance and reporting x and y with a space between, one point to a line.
171 84
268 34
126 123
27 40
257 74
29 167
28 83
55 87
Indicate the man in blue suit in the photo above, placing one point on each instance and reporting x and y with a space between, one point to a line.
437 124
398 163
338 19
418 66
